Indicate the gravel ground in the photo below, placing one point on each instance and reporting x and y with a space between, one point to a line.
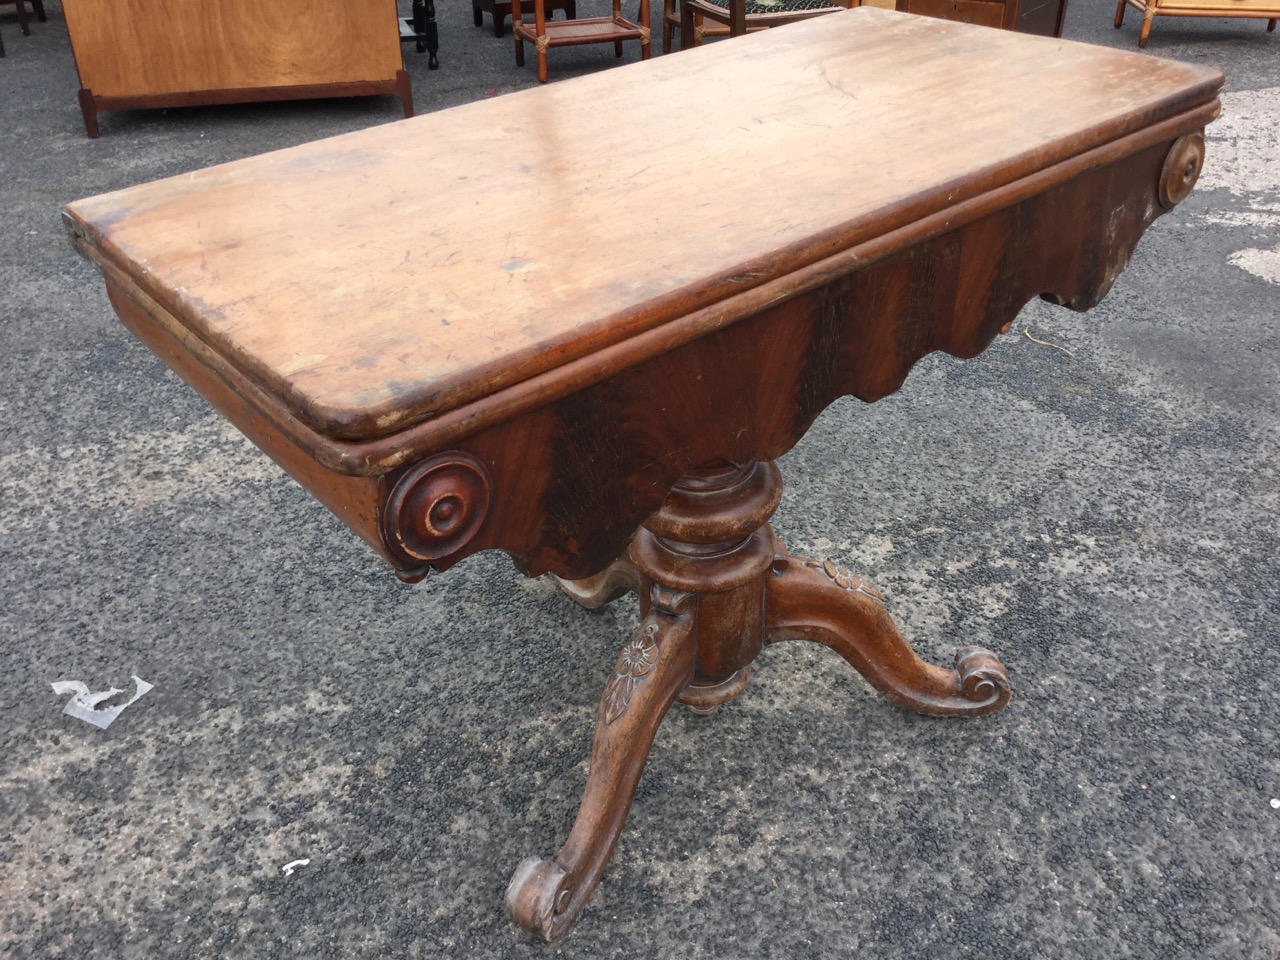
1102 511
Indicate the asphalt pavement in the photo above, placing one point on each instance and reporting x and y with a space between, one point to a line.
1095 498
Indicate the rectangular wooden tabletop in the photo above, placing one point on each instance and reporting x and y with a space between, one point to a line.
376 280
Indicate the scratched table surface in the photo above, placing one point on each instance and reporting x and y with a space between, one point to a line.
379 278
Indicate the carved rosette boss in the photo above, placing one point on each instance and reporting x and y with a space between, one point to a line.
1181 169
436 507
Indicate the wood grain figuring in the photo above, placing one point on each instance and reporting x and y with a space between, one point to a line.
575 478
539 256
577 462
144 47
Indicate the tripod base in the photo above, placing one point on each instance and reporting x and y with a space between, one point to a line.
715 586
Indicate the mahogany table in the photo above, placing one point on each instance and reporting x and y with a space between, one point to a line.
582 335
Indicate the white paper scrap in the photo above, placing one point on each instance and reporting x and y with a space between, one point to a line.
84 705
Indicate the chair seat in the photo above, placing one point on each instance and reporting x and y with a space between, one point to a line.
775 6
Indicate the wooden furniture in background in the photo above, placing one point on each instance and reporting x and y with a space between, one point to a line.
500 11
1268 10
544 33
671 23
155 53
1041 17
37 7
612 357
420 29
735 17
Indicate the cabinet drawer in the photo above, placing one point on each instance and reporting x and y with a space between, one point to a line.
967 11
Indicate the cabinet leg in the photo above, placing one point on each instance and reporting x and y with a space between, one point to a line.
545 896
88 110
405 89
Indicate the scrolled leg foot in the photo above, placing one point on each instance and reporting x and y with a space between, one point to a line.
614 581
538 893
546 896
824 603
983 678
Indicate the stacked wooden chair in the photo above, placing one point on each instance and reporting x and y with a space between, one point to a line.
544 33
736 17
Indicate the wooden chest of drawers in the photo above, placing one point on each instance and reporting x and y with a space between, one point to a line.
1043 17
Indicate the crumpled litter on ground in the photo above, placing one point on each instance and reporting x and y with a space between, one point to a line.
84 705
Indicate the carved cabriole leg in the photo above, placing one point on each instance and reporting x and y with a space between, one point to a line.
701 563
89 111
616 580
819 601
545 896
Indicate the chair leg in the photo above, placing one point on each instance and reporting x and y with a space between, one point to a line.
38 7
688 38
1120 5
1271 25
1147 18
21 7
645 42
